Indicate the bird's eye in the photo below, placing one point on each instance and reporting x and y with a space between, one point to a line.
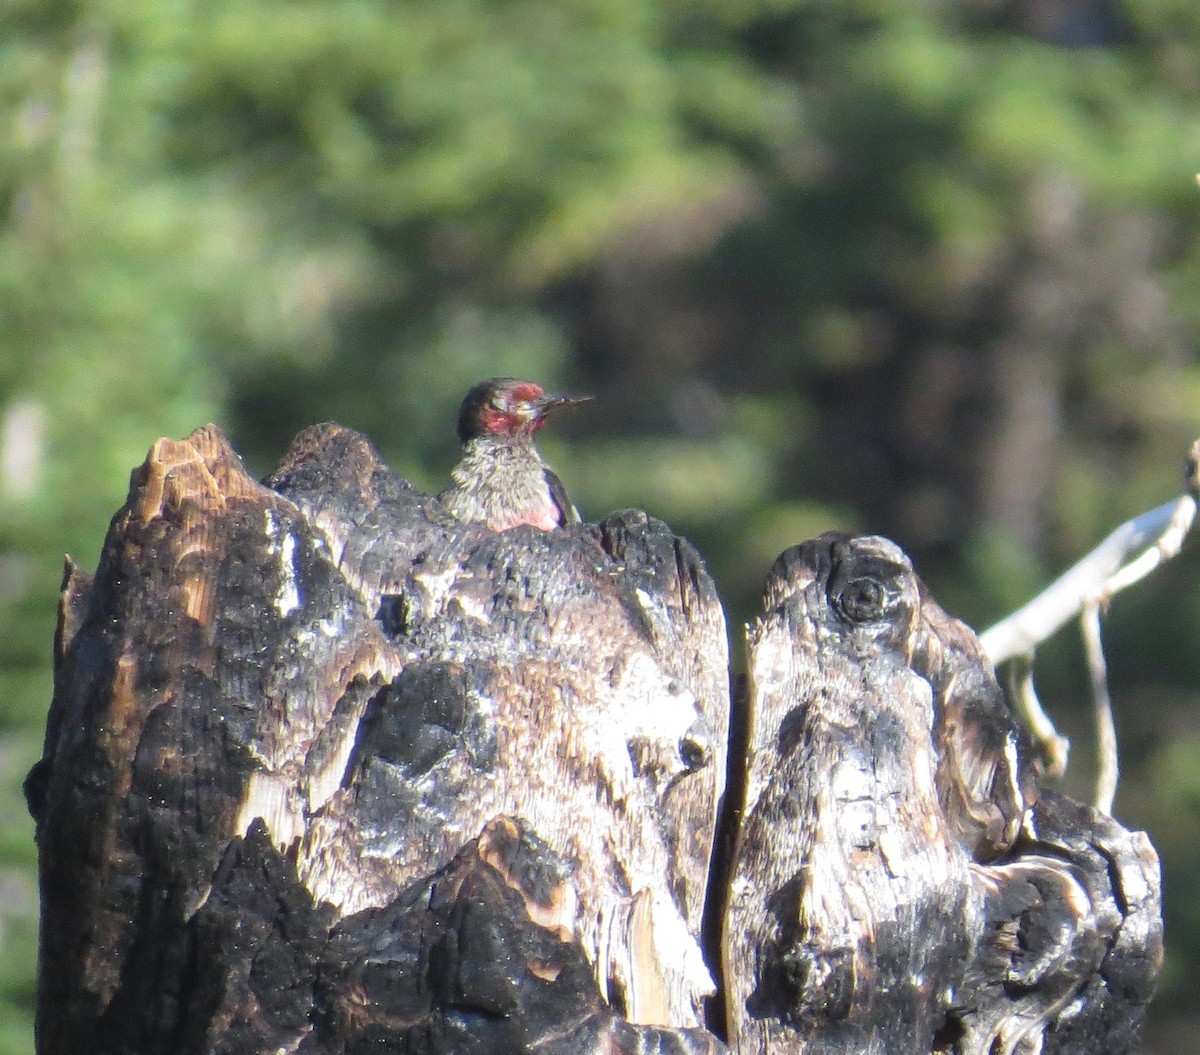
499 401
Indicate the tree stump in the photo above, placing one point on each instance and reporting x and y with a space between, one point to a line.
898 886
328 771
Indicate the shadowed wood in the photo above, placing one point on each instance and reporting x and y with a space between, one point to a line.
456 963
984 782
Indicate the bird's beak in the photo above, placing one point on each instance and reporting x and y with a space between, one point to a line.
544 404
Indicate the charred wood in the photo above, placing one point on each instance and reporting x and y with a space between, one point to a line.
328 770
897 886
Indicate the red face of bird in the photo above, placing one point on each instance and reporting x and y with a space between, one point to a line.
507 407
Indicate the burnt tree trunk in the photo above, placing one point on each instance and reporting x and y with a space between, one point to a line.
899 887
327 771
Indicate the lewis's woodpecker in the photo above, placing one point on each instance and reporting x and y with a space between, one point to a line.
501 480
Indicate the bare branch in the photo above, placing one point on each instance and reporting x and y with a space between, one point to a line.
1127 555
1053 747
1106 730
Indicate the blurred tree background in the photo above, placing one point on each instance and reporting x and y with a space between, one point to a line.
925 269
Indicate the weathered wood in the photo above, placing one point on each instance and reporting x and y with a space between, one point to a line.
896 888
984 779
456 962
375 683
327 770
1068 938
576 678
845 922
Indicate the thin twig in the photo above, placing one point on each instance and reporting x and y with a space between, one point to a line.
1106 730
1125 557
1053 746
1108 565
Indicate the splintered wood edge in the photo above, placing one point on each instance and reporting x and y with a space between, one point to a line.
203 466
74 594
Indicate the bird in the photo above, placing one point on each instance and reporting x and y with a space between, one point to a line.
501 480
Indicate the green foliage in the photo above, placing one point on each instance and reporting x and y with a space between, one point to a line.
923 269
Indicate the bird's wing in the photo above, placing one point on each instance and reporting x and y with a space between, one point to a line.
567 513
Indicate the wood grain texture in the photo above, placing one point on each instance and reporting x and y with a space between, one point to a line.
326 657
984 779
897 886
329 771
575 678
844 928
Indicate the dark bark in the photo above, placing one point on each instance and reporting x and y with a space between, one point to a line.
898 887
329 771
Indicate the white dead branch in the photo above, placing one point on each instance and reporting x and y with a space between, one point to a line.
1125 557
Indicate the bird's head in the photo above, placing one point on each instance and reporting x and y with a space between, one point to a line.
504 406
